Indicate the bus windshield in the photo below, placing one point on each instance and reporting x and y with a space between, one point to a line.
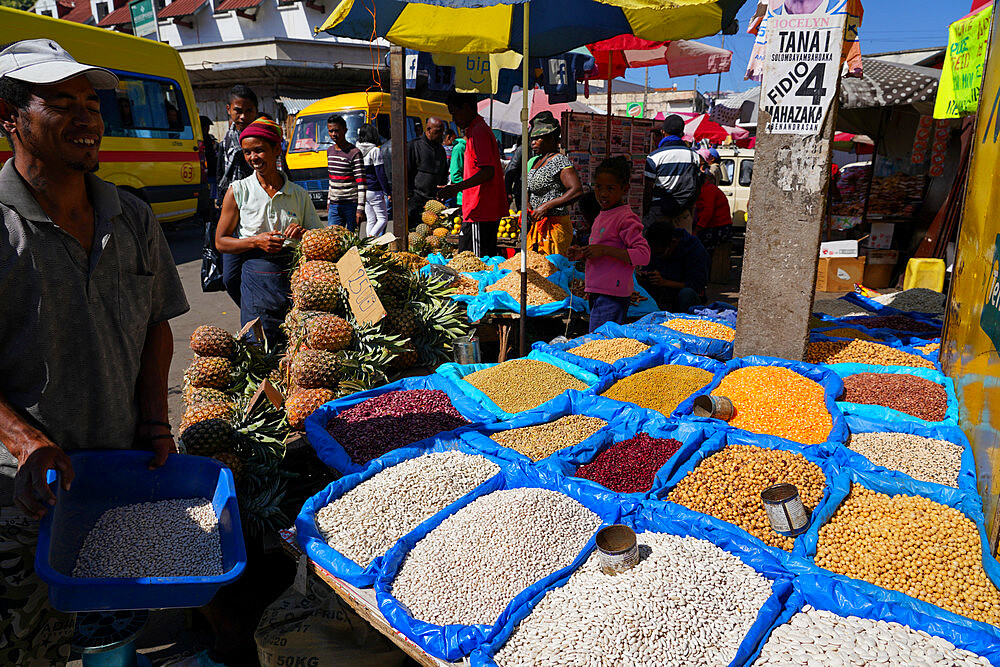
311 135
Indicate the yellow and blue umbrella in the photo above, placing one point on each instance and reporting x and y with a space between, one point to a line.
556 26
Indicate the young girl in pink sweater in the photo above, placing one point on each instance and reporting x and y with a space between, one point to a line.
616 245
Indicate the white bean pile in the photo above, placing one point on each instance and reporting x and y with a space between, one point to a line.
838 308
817 637
469 568
920 299
687 602
924 459
367 520
166 538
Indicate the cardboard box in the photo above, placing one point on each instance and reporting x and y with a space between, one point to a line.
839 274
879 265
838 249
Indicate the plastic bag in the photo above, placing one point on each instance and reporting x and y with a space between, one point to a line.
604 332
692 437
674 520
452 642
211 261
700 345
880 413
882 309
820 455
717 310
832 385
570 403
970 505
333 454
845 599
848 458
660 356
339 565
457 372
497 301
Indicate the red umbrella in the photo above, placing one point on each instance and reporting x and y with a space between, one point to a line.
682 57
699 126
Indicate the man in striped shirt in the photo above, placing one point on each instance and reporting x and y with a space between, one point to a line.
671 178
345 165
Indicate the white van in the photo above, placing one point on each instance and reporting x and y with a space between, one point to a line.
737 172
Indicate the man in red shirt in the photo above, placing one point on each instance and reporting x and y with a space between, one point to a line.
484 199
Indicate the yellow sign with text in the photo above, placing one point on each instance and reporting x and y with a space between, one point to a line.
962 73
365 304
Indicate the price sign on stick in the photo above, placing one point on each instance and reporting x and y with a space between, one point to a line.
365 304
801 70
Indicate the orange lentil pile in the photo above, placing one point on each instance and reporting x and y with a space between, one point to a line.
861 352
703 328
777 401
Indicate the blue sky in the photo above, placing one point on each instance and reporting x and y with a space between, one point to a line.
889 25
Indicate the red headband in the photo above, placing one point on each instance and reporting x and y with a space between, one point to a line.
263 128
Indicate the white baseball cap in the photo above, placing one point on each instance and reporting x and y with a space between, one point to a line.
43 61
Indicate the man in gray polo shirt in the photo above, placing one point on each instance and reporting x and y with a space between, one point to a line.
88 285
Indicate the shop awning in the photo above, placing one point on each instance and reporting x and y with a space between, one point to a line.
293 105
120 16
889 84
227 5
179 8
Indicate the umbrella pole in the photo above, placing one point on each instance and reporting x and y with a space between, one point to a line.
607 129
523 347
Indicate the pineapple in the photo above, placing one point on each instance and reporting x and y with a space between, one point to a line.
405 359
423 229
393 290
327 243
233 462
209 437
434 206
318 293
433 242
441 231
313 268
209 341
403 322
194 395
313 369
214 372
428 217
303 403
200 412
409 260
328 332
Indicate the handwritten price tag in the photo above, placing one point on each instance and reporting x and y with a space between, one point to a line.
365 304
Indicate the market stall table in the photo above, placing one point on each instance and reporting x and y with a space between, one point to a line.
362 601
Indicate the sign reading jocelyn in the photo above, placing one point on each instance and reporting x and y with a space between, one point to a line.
801 70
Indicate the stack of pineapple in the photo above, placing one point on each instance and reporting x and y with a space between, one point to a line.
434 225
330 354
218 422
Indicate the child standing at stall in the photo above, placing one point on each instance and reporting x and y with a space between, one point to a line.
616 245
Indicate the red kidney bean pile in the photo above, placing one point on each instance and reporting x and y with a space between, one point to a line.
629 466
897 322
393 419
907 393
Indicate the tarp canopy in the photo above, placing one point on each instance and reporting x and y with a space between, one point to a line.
507 117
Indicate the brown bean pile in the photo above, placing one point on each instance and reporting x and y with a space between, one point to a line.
541 290
609 350
861 352
522 384
536 261
912 545
537 442
727 485
661 388
913 395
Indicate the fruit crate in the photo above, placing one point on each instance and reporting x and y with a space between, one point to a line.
111 478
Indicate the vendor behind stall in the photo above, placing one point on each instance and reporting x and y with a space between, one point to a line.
678 271
260 214
553 185
84 344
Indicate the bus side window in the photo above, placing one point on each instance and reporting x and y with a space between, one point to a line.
383 125
728 169
746 172
414 128
145 107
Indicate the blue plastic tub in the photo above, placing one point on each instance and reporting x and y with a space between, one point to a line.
111 478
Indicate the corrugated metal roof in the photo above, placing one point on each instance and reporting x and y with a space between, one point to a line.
294 105
180 8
